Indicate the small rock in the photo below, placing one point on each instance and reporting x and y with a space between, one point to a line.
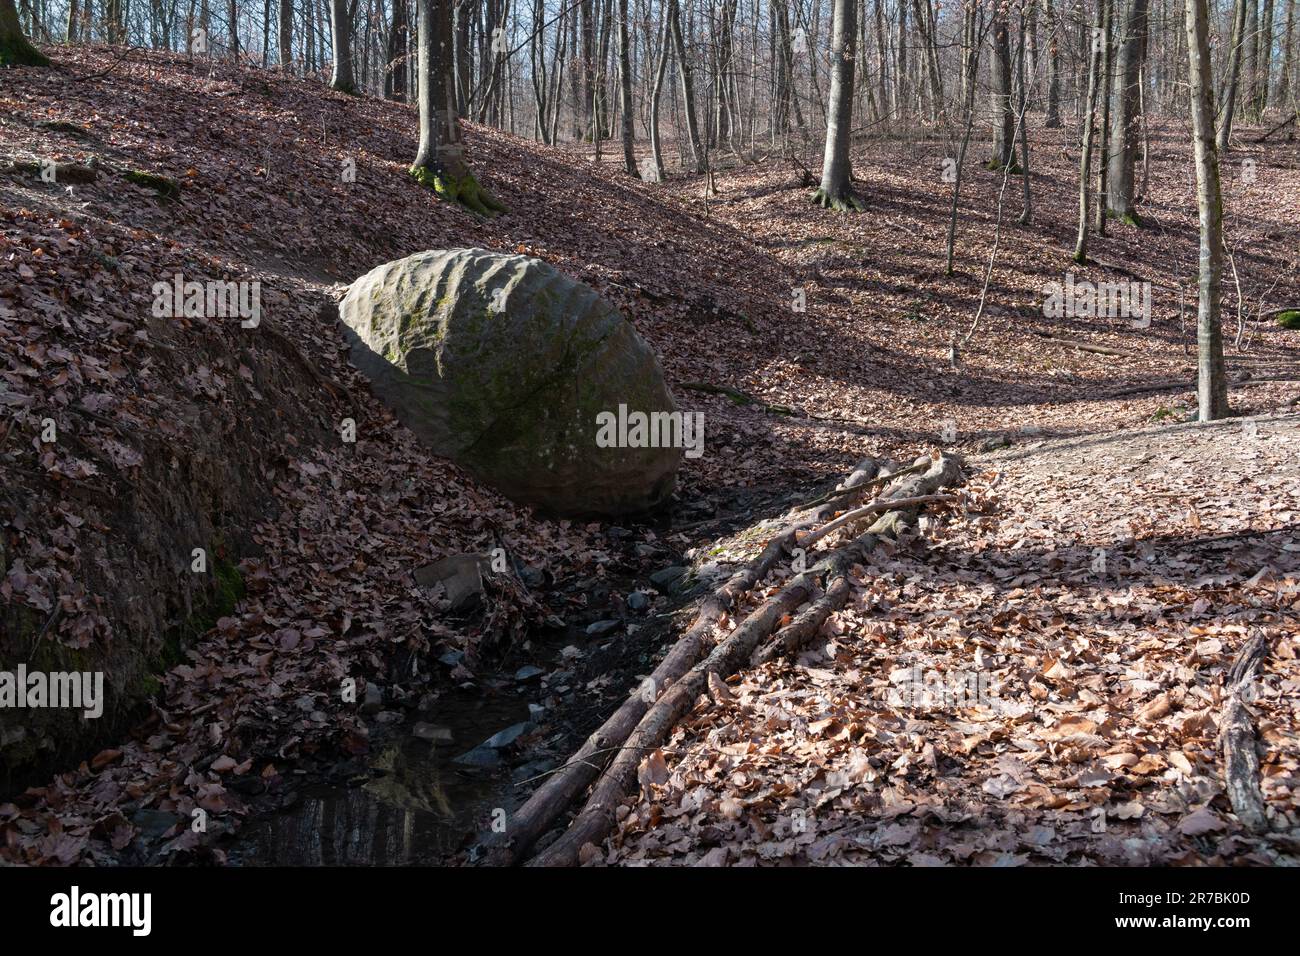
638 601
431 732
373 700
535 711
602 628
528 672
645 550
154 823
505 738
617 533
534 578
452 658
668 578
461 577
484 757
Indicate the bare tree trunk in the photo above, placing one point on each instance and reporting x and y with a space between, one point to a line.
15 49
1284 76
440 157
1089 122
1022 123
1125 114
1103 137
688 90
1003 117
1265 59
286 35
836 190
1211 389
74 15
1234 73
1250 68
656 92
395 54
625 90
342 78
1053 117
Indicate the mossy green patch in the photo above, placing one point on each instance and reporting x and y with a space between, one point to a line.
464 189
1289 319
167 189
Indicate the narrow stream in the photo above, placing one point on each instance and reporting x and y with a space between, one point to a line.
418 808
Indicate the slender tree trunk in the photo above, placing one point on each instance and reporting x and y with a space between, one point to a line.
74 15
1250 68
1053 118
1003 116
688 90
1212 390
1103 138
625 90
1234 73
836 190
395 55
1284 75
1125 113
656 92
1089 122
286 35
1265 59
1022 123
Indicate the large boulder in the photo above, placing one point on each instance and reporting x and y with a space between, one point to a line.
503 364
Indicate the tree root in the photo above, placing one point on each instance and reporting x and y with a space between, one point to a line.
1240 761
844 202
19 51
463 189
597 816
739 397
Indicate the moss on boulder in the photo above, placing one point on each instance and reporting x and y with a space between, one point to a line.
502 364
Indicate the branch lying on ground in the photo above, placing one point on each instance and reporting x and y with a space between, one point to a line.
597 817
550 800
739 397
1240 761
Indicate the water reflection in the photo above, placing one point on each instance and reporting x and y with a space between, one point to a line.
417 810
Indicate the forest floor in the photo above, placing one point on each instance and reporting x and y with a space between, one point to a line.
710 283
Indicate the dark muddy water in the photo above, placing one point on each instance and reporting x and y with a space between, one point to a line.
418 808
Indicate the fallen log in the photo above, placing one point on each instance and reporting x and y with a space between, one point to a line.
550 800
807 625
597 816
1240 761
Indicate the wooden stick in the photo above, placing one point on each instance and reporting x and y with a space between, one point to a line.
1240 761
597 817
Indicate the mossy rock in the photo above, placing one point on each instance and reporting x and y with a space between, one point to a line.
1289 319
502 364
167 189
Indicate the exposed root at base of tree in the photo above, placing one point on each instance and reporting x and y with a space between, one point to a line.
1240 760
18 51
640 726
462 188
844 202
